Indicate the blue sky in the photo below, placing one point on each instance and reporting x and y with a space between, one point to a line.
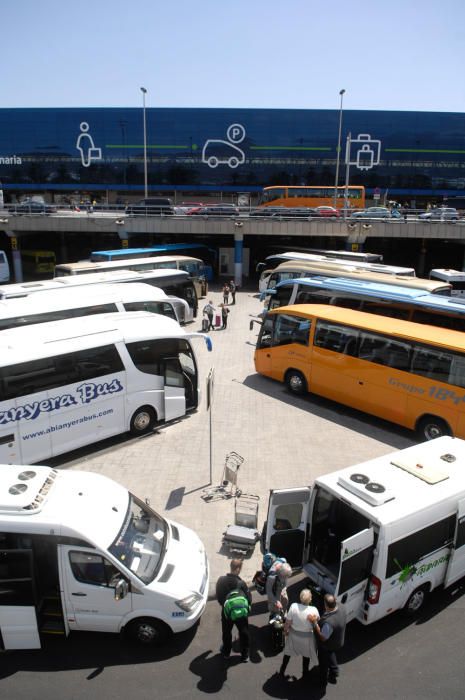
298 54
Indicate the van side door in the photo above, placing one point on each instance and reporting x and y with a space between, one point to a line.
287 526
18 618
456 565
88 581
354 571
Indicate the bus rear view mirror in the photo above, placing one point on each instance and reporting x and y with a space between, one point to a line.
121 589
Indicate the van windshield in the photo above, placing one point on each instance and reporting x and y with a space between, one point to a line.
141 542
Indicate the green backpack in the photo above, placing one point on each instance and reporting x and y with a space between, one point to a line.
236 606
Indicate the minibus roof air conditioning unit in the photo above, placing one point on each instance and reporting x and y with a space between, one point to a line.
22 491
367 489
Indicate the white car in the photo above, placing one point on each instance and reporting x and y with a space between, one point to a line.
440 214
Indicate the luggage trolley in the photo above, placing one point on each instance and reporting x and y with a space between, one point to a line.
243 535
228 486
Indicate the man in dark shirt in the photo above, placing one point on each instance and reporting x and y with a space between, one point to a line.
224 585
330 631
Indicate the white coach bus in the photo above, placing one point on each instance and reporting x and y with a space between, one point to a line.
70 383
80 552
173 282
85 301
380 535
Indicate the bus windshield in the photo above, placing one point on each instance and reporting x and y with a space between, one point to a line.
141 542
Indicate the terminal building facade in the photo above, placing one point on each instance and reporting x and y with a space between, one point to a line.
412 157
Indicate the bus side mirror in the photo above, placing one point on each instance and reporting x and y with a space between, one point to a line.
121 589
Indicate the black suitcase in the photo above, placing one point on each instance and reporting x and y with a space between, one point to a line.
205 325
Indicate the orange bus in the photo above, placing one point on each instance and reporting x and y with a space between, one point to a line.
284 196
404 372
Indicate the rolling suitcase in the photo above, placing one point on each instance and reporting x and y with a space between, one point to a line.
205 325
218 320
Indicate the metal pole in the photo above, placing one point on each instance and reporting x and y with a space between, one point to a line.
346 190
336 182
144 92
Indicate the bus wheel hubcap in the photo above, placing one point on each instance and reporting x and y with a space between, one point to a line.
142 421
295 383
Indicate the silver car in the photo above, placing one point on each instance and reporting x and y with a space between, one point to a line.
376 213
440 214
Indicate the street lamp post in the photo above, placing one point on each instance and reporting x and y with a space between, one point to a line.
336 183
144 92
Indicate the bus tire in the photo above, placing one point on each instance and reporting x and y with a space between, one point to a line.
295 382
430 427
143 420
148 631
416 601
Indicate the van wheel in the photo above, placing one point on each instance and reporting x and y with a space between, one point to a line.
143 420
295 382
416 601
147 630
430 427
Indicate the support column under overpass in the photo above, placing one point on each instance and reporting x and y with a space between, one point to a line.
238 253
15 256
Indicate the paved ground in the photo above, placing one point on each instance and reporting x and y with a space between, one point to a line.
285 440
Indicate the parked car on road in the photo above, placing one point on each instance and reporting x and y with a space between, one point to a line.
31 206
151 206
298 212
215 210
440 214
330 212
376 213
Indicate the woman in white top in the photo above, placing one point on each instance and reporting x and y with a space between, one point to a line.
298 630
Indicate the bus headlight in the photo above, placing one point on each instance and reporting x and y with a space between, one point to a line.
189 602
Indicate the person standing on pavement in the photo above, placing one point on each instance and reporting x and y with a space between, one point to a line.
232 289
209 310
224 586
276 587
226 291
299 635
330 632
224 316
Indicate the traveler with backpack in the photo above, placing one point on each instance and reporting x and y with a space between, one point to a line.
235 600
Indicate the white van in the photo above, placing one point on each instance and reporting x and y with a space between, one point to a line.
86 301
455 278
4 267
80 552
380 535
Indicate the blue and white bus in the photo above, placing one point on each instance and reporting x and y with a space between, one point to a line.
396 301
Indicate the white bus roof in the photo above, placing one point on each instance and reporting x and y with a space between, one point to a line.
447 275
125 264
351 264
84 505
402 483
70 335
22 289
56 300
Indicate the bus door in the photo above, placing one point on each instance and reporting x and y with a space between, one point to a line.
175 389
18 619
88 584
456 565
287 527
354 570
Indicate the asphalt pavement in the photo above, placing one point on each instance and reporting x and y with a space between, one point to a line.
284 440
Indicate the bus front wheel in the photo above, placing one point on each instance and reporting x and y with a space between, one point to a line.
295 382
147 630
143 420
430 427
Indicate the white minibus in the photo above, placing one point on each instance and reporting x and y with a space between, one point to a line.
380 535
80 552
66 384
86 301
455 278
173 282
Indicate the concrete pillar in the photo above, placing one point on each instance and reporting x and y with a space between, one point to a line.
124 236
238 253
16 256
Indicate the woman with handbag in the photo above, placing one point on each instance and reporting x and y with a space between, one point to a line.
299 636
